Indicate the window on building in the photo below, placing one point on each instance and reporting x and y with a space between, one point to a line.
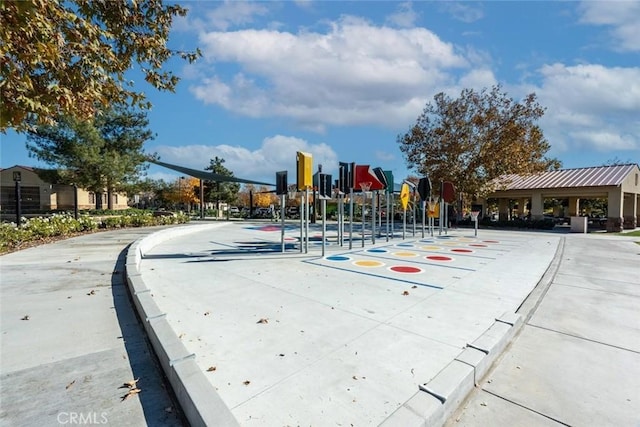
92 197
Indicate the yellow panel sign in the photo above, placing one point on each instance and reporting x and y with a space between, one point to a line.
404 196
304 162
433 209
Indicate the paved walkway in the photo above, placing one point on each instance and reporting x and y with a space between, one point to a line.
70 338
349 338
577 360
301 339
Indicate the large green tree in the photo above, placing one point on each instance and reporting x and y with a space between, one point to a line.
103 154
476 138
71 57
216 191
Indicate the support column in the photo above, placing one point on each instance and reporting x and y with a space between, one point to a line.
629 210
537 206
503 209
614 208
522 208
574 206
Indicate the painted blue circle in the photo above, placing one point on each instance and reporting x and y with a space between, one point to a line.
338 258
405 245
377 250
427 241
444 237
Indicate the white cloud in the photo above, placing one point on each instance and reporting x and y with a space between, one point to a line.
356 73
591 106
275 154
622 16
465 12
405 17
235 13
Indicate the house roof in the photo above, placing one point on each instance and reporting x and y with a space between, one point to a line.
599 176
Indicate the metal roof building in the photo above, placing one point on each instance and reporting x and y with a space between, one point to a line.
619 184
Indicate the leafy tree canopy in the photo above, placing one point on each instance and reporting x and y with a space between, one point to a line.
226 192
476 138
70 57
105 153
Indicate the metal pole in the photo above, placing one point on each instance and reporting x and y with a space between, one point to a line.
324 223
306 223
18 204
340 219
388 214
301 219
424 205
201 200
351 218
413 213
373 217
75 201
393 214
404 224
283 201
364 198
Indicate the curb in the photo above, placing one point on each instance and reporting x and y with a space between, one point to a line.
437 400
198 398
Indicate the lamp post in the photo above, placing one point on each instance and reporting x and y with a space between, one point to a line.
17 177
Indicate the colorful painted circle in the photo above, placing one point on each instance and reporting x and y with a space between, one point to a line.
405 254
491 241
462 251
404 245
337 258
405 269
378 251
431 248
368 263
477 245
438 258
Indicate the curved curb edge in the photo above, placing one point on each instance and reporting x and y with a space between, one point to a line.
198 398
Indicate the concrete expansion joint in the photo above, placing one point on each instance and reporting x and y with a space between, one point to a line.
426 389
157 316
144 291
174 362
484 350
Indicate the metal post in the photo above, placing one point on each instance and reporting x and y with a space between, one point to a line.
413 212
373 217
18 204
404 224
306 223
301 219
393 214
324 223
364 198
283 201
424 205
351 218
201 200
75 201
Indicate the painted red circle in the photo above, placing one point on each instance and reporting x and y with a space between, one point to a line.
461 250
438 258
405 269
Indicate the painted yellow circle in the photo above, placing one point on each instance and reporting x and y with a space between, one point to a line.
450 243
431 248
405 254
368 263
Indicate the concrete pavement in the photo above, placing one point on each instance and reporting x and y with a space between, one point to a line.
577 359
359 336
393 334
70 338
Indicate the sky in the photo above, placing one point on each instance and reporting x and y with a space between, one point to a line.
342 80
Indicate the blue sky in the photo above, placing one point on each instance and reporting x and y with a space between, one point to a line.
341 80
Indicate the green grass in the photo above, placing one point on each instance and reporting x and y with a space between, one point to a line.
635 233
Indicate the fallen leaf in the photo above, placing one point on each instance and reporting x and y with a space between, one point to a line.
206 313
130 393
517 367
70 384
92 292
130 384
26 317
247 382
354 377
414 287
211 369
405 293
180 336
263 321
281 355
483 404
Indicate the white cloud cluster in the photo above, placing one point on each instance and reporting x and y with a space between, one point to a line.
275 154
591 106
356 73
623 17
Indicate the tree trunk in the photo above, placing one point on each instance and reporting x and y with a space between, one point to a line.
109 200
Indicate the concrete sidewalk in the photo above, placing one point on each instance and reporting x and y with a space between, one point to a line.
362 336
70 338
577 360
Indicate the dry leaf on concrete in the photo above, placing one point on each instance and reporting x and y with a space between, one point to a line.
70 384
130 393
26 317
92 292
130 384
247 382
405 293
263 320
211 369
